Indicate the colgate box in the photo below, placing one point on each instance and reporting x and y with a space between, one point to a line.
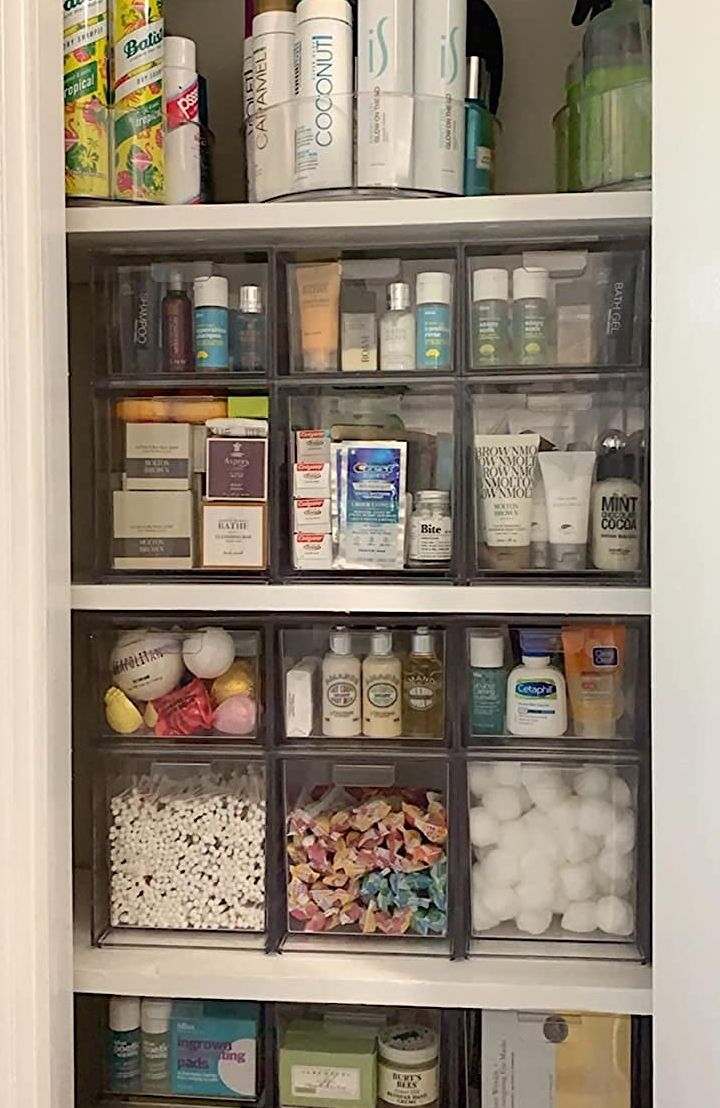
213 1049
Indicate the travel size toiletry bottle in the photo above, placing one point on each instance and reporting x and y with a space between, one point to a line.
155 1045
440 76
358 327
397 330
382 688
341 674
433 296
616 507
211 324
423 710
531 322
536 691
124 1044
430 529
489 322
479 137
177 330
488 683
247 331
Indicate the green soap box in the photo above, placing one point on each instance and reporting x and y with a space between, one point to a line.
318 1068
248 407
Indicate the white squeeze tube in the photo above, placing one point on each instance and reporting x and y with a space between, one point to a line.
248 106
182 123
440 74
324 80
385 87
273 121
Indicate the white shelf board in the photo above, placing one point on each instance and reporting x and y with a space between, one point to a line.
464 219
424 599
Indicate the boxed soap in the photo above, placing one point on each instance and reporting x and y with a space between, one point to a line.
152 530
157 456
213 1049
236 469
234 536
302 698
335 1070
555 1060
248 407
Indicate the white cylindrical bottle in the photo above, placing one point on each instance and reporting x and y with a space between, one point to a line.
616 514
155 1045
536 692
248 103
324 83
382 688
385 88
182 122
440 75
273 121
341 672
397 330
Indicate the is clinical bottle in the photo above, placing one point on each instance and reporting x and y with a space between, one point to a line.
490 318
211 324
440 77
177 328
616 514
479 141
397 330
531 318
382 688
123 1059
423 709
488 683
433 296
155 1045
341 688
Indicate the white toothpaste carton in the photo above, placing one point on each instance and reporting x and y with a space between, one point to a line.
311 479
312 550
312 446
312 514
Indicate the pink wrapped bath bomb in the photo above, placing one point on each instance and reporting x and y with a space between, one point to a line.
235 716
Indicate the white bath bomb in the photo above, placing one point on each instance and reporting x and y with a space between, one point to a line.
507 773
546 790
592 781
503 802
537 867
620 837
579 847
581 917
480 779
614 873
578 881
543 836
482 918
501 867
620 793
147 664
615 916
502 902
533 922
534 896
209 652
566 814
516 836
484 828
596 816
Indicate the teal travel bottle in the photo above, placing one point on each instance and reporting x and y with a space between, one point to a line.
479 136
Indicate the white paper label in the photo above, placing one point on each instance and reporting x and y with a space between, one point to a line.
325 1082
408 1088
483 157
430 538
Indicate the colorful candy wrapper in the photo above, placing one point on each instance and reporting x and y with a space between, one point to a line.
86 80
138 116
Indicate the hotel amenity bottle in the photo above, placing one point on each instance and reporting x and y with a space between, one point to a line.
382 688
440 80
397 330
531 323
123 1060
341 673
423 689
177 328
155 1043
616 504
489 321
385 88
211 324
488 683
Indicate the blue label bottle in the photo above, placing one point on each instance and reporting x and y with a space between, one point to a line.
123 1059
488 683
479 137
434 293
211 324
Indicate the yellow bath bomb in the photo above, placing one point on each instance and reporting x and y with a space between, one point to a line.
238 681
150 716
121 713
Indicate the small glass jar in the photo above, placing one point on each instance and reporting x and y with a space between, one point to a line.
430 529
408 1067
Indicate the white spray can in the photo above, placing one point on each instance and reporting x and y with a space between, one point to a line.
273 86
440 75
385 88
182 123
324 80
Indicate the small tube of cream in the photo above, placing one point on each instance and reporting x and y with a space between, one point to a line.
318 305
568 482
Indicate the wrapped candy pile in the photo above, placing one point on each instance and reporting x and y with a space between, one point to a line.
552 846
370 860
189 853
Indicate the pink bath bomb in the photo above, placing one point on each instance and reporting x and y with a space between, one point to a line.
235 716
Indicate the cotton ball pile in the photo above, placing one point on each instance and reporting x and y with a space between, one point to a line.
552 845
189 854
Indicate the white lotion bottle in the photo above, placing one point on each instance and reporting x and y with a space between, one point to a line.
248 104
273 121
536 693
324 85
616 506
440 76
182 122
385 88
382 688
341 677
397 330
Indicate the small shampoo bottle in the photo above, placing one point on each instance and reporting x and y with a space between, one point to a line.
488 681
211 324
155 1044
434 294
124 1044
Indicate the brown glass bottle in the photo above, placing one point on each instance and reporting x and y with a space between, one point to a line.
177 336
423 689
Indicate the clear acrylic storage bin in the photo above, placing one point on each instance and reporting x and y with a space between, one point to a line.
561 476
363 313
551 308
180 683
364 684
554 857
367 854
179 851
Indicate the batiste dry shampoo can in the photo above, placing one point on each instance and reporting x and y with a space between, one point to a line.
139 123
182 119
86 76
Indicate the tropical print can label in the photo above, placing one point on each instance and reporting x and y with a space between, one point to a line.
138 128
85 47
